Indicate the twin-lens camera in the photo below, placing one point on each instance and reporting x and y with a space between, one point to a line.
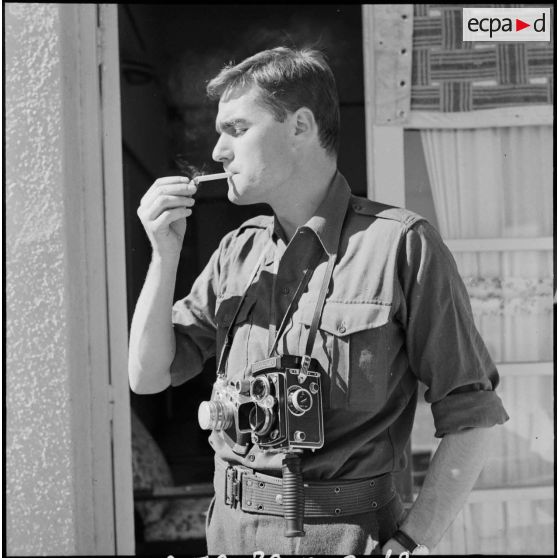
279 408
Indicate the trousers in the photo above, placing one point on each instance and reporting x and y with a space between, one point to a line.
232 531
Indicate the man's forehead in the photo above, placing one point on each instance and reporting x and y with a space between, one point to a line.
249 90
238 105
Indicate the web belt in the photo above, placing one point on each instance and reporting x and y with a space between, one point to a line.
253 492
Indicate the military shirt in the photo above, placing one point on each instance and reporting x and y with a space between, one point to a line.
396 313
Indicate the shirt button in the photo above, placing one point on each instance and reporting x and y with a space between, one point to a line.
285 290
342 329
251 457
357 207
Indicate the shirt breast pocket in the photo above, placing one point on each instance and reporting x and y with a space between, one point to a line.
224 314
351 345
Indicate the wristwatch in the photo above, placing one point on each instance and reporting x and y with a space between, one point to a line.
414 548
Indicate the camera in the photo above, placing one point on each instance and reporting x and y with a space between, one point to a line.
288 413
279 408
228 412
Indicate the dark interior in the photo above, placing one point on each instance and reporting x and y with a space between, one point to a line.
167 55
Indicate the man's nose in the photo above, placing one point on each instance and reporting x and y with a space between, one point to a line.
221 151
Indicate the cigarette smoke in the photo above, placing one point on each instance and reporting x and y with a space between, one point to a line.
186 168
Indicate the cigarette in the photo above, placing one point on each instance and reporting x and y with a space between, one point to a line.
208 177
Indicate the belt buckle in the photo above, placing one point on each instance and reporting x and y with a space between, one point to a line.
233 481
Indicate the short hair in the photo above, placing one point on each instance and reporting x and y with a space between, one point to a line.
288 79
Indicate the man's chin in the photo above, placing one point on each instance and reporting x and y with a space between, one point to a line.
234 196
238 197
232 193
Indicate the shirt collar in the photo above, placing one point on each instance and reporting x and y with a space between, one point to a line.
328 219
326 223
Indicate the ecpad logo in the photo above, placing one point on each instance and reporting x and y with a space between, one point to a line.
506 24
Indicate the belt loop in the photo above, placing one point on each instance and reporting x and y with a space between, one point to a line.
233 480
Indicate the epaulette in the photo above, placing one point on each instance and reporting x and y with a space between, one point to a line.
258 222
364 206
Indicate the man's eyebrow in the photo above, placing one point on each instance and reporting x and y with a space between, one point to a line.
227 124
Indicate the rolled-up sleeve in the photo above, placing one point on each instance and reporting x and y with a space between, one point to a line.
193 319
444 347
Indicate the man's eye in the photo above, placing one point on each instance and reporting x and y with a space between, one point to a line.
238 131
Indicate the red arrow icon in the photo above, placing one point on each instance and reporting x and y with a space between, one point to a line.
519 24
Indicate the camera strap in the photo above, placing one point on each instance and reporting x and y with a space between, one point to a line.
274 334
317 310
332 257
229 338
289 312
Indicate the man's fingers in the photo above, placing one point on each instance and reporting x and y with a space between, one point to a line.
152 209
171 179
169 185
168 202
153 195
170 216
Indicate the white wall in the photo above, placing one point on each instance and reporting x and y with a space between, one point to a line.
68 452
40 517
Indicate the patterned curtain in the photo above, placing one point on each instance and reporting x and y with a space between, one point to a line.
450 75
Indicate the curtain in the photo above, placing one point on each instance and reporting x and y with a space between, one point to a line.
497 183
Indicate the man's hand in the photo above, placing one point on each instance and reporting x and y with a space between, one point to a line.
163 212
396 548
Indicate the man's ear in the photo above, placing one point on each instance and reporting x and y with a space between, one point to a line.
305 123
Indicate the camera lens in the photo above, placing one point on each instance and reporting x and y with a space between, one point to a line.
300 400
261 420
259 388
215 415
260 391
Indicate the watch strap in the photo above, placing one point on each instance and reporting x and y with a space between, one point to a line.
404 540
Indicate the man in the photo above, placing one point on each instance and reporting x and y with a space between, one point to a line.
396 312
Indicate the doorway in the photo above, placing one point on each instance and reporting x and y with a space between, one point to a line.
167 54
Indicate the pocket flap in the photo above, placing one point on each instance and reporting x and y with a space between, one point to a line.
226 307
343 318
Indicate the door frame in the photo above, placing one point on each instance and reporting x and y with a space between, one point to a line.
97 281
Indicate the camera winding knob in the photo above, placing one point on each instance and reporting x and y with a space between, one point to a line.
299 400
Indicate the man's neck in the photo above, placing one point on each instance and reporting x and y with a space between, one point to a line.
309 193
